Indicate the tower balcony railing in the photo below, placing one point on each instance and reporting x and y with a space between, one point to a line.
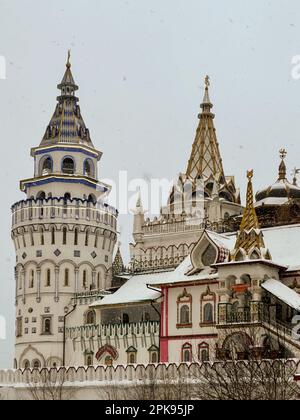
118 329
51 209
243 315
86 298
181 225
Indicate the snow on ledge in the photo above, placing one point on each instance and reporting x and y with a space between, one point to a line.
283 293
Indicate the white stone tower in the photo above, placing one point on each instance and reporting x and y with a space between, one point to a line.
64 234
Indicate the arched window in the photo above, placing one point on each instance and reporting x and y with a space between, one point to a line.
41 195
186 353
76 236
88 168
131 355
36 364
90 318
204 355
92 199
208 313
47 326
31 237
42 236
108 361
125 319
64 236
52 236
89 360
184 310
255 256
87 238
24 240
96 239
154 357
184 315
26 364
68 166
31 280
48 277
47 166
67 277
84 279
203 352
132 358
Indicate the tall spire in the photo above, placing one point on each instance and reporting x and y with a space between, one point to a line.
250 242
66 124
205 161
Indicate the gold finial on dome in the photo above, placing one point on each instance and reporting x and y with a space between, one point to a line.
282 153
250 174
282 167
68 65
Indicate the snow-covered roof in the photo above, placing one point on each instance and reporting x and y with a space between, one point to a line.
223 240
180 274
283 243
133 291
271 201
283 293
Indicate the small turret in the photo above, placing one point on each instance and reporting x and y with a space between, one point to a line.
139 220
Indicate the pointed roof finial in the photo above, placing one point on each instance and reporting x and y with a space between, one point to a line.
207 81
250 237
206 104
68 65
282 166
139 204
294 174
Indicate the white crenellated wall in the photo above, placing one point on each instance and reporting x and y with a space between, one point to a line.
104 383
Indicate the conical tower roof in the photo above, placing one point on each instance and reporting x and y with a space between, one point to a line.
66 124
205 161
118 265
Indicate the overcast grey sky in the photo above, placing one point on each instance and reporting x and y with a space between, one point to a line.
140 67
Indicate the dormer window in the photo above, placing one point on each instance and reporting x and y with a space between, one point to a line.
68 166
